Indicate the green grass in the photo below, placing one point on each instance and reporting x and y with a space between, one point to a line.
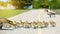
9 13
57 11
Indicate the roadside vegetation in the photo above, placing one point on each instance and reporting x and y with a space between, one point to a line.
10 13
57 11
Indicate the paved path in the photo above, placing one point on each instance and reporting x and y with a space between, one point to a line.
34 15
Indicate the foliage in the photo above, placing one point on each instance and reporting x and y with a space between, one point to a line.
20 3
52 4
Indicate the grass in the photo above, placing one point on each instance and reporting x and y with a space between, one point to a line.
57 11
9 13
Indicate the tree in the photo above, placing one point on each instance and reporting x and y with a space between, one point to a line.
40 3
52 4
20 3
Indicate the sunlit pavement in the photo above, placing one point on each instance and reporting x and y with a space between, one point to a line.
19 31
34 15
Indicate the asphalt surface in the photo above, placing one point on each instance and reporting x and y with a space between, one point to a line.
34 15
